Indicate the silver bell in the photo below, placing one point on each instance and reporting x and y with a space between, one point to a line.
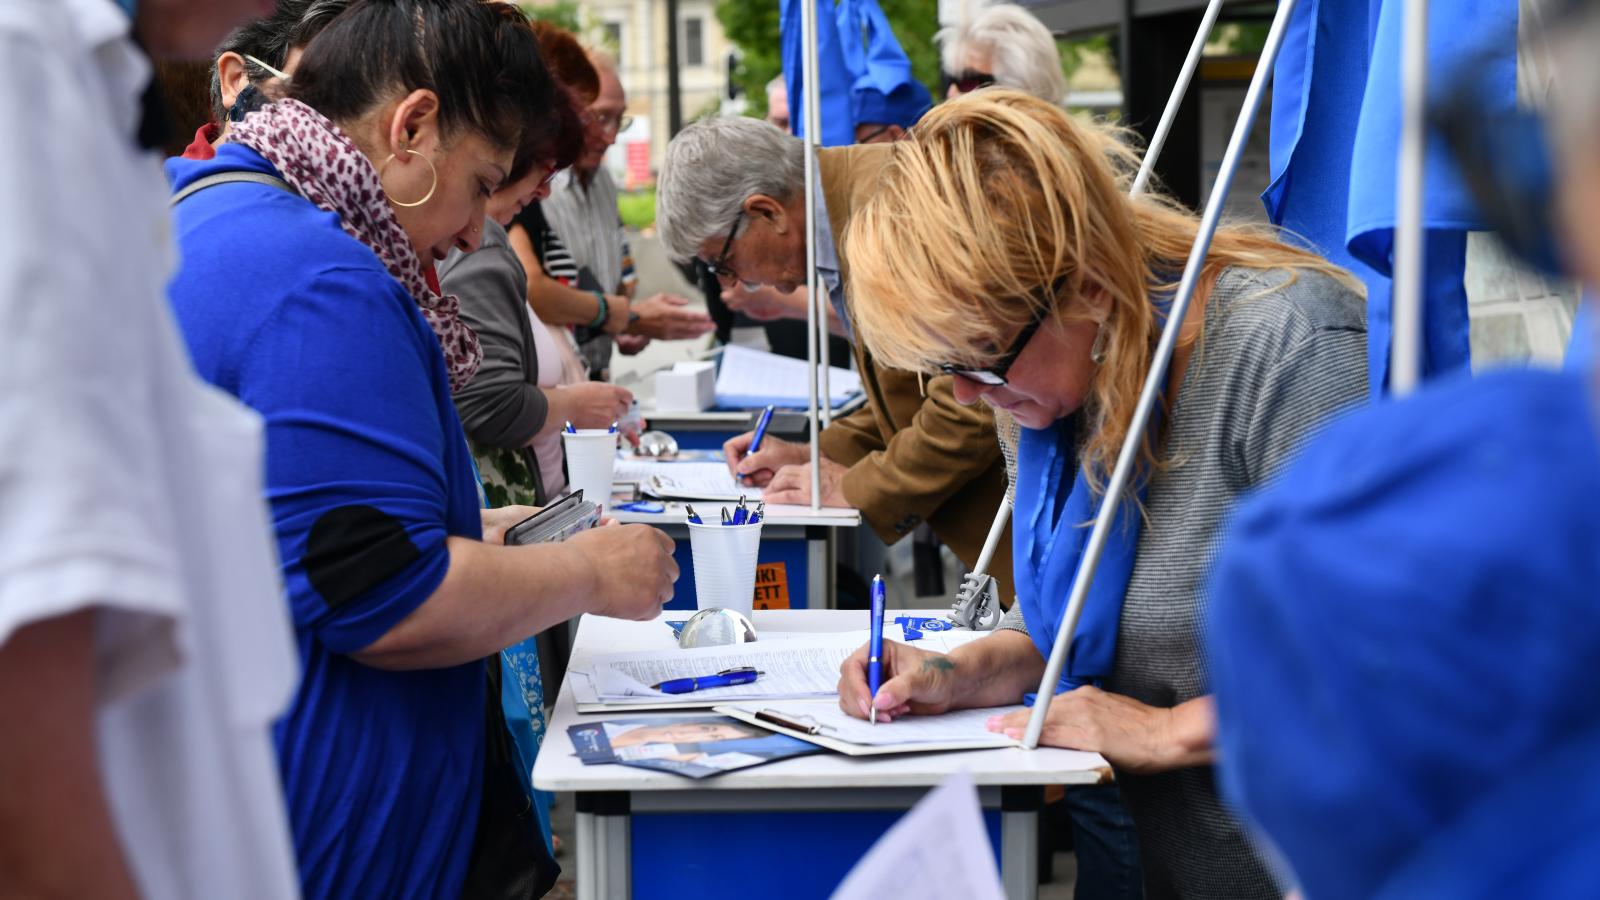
716 627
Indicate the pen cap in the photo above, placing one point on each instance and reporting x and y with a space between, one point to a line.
591 458
724 558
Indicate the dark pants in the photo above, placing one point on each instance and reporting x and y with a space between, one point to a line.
1106 844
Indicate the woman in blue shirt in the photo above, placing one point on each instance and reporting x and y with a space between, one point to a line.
309 299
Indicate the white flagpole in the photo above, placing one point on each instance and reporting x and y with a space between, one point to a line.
1405 350
1158 373
809 77
1190 63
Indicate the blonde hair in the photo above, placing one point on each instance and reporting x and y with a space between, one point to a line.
993 197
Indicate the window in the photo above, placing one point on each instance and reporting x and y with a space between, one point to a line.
613 32
694 41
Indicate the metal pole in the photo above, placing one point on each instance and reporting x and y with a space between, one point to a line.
1190 63
1157 376
808 24
1405 350
674 92
1146 166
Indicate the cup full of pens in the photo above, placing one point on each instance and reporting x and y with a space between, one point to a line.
591 457
724 545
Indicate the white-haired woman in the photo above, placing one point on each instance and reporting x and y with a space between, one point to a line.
1005 45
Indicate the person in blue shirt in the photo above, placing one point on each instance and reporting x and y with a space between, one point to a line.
1404 628
308 297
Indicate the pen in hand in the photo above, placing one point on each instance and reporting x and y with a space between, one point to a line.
875 647
761 432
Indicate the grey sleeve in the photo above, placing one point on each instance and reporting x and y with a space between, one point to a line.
1012 621
1299 395
501 406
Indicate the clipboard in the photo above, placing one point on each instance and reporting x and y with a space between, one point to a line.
782 722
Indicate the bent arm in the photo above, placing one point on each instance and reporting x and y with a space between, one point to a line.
940 448
491 597
995 671
556 303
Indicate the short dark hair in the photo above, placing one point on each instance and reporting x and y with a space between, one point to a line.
481 59
292 24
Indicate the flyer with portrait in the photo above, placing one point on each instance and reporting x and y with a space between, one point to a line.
693 746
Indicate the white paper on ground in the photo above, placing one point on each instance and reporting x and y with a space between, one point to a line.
962 725
939 850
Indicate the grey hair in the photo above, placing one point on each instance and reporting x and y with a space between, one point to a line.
775 84
711 168
1022 50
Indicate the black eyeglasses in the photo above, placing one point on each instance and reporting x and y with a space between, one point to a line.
969 80
995 375
719 267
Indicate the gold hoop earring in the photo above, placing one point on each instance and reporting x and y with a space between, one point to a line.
1097 352
431 188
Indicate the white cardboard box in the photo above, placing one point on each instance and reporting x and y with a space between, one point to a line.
687 387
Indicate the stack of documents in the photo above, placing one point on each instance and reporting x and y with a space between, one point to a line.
800 667
683 480
826 725
749 379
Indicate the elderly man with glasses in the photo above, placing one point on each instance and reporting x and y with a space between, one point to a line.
732 194
582 210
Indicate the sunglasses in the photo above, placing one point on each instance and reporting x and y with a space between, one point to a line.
970 80
994 375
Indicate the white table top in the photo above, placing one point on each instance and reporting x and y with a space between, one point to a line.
776 514
559 769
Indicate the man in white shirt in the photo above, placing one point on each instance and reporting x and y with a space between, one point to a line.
144 646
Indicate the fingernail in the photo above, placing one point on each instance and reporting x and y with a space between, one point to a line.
993 723
1014 733
864 710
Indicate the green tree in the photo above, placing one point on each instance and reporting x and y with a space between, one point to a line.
752 26
562 14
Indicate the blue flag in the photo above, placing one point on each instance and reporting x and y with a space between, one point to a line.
1336 110
836 107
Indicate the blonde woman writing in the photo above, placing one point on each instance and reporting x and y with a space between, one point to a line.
1001 247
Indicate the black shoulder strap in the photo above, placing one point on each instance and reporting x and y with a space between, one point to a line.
230 178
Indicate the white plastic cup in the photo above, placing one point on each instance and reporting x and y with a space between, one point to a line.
725 565
591 459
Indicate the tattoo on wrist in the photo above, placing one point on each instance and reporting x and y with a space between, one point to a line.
938 664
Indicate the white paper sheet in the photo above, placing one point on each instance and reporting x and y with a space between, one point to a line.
685 481
964 725
753 378
939 850
790 668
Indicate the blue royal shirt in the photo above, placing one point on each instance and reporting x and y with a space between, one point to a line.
367 473
1402 643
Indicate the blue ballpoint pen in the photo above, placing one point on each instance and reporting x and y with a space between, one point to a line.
570 429
725 678
694 517
741 515
875 646
726 519
761 432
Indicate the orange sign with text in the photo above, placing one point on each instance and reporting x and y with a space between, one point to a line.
772 586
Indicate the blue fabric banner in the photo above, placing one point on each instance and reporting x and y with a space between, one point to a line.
1336 111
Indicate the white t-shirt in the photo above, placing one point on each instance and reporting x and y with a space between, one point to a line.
126 484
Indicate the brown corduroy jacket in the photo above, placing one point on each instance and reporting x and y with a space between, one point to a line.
914 455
